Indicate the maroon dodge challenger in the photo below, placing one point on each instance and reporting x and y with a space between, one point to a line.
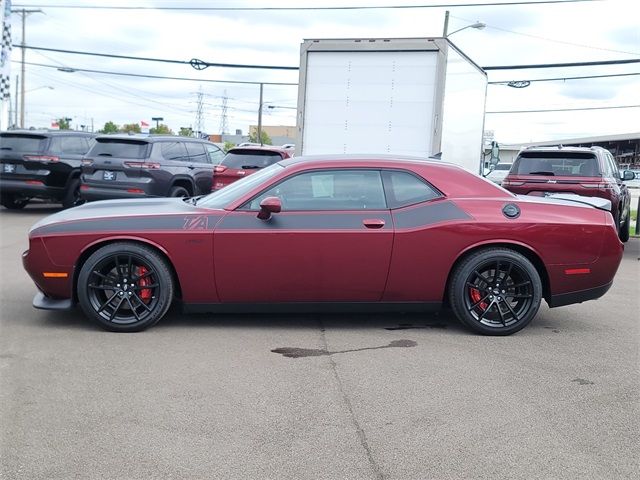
325 233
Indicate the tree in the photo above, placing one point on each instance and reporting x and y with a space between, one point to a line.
130 128
64 123
228 146
109 127
266 139
161 129
185 132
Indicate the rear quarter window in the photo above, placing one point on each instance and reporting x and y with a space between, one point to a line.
23 143
250 159
119 148
404 188
559 163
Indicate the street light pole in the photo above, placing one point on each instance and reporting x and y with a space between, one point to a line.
23 12
260 116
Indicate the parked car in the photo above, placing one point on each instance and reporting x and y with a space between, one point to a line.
499 173
41 164
333 232
242 161
591 172
123 166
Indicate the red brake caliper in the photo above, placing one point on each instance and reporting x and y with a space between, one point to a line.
145 293
476 297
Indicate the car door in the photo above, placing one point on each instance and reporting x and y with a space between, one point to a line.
331 242
200 166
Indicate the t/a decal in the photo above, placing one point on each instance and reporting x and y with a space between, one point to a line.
200 222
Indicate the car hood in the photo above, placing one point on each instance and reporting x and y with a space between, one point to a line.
119 209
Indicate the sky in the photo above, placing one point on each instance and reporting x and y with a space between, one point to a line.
514 35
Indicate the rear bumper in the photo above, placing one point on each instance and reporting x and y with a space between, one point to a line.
579 296
21 187
91 193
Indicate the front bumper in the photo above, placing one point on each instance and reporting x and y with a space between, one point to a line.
42 302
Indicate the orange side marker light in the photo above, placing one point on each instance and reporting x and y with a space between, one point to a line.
55 274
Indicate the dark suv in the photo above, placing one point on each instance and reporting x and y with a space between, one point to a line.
41 164
590 172
124 166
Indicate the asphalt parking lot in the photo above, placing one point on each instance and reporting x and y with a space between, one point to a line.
343 396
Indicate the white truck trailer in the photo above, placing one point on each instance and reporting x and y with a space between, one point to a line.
415 96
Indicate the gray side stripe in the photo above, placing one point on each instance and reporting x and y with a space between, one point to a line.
133 224
315 221
428 214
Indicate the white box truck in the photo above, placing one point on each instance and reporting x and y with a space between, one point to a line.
415 96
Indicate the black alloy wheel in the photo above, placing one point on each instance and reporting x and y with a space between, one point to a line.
125 287
496 291
623 232
178 191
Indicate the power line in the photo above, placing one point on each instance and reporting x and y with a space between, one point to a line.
161 77
275 9
199 64
556 65
195 63
565 109
506 82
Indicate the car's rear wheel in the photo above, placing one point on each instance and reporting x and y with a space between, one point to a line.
13 202
125 287
623 233
72 196
495 291
178 192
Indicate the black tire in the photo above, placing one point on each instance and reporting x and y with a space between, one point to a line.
120 306
623 232
13 202
178 191
495 291
72 196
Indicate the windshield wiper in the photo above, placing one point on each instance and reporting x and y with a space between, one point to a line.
542 173
249 167
6 148
194 200
105 155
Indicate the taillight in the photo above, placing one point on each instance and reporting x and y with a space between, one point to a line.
143 165
86 161
595 185
219 168
42 158
511 183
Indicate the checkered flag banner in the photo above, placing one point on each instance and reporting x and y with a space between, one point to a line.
5 51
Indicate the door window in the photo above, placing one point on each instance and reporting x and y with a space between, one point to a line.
215 154
404 188
328 190
196 152
173 151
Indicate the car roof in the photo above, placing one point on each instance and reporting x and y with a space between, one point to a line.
267 148
372 159
47 133
150 138
562 148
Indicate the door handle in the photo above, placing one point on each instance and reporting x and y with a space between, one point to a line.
373 222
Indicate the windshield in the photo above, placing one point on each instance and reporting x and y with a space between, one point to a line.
503 166
241 159
111 147
563 164
227 195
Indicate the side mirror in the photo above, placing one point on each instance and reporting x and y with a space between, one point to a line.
628 175
268 206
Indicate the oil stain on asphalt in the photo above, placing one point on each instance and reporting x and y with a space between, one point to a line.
296 352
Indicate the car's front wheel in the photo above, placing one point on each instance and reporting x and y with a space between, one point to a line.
125 287
623 233
495 291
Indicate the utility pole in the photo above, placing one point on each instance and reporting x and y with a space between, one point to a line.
15 114
260 116
24 13
224 123
199 114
